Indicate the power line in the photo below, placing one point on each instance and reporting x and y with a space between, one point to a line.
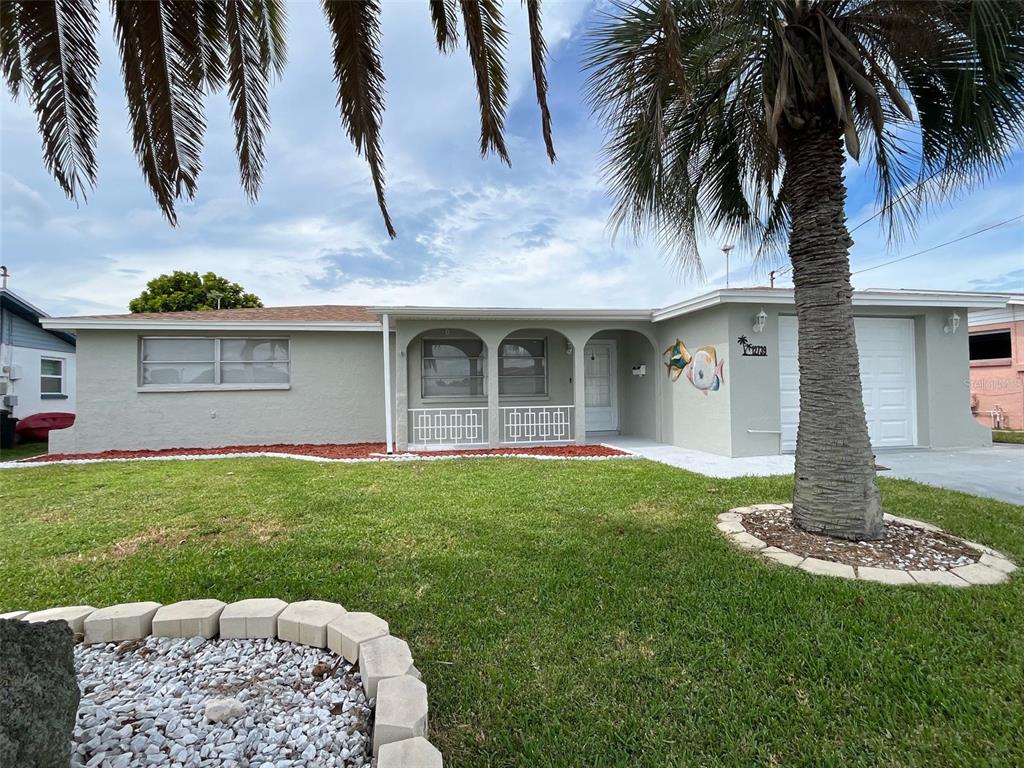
942 245
780 273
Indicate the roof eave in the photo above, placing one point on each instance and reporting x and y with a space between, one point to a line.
510 313
82 324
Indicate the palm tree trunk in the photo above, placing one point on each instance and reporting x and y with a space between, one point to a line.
835 491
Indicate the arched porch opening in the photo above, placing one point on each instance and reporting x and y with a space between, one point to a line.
535 388
619 385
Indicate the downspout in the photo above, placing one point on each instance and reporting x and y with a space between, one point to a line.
386 328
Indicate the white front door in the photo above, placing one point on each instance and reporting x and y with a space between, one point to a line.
886 351
600 390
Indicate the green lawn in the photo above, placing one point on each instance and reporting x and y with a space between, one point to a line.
22 451
1007 436
562 613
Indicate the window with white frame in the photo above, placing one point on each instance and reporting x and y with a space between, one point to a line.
51 376
523 367
453 368
204 361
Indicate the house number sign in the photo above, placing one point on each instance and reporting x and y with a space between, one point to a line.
752 350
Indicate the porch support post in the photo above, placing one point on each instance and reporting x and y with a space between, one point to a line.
386 333
493 410
579 395
401 391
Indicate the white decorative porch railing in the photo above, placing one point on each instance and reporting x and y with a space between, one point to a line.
536 423
439 427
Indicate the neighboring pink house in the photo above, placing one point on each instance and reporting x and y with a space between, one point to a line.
997 365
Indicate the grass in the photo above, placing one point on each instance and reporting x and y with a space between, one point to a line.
1007 436
562 613
22 451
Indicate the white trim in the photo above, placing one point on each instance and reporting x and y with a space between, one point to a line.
513 313
63 376
386 334
871 298
78 324
211 387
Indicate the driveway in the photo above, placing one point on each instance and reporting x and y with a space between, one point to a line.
996 472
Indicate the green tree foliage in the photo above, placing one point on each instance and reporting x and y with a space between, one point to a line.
187 291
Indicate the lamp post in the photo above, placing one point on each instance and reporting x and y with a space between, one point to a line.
725 249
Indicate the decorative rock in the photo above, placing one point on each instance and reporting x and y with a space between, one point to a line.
942 578
188 618
221 709
127 621
827 568
998 562
977 573
401 710
252 618
14 615
345 633
747 541
782 556
381 658
731 526
306 622
39 696
73 615
409 753
883 575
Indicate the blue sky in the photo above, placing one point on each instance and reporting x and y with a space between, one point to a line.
471 231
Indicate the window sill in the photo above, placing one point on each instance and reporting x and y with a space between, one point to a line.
52 396
454 399
994 363
217 388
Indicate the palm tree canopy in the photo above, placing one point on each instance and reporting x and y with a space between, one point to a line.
175 52
701 98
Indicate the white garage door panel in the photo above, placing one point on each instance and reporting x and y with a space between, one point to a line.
886 347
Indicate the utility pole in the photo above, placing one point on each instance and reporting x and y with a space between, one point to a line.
725 249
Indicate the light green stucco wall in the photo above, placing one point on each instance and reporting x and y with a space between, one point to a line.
336 396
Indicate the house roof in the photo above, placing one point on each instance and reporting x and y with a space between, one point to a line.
16 305
313 317
336 317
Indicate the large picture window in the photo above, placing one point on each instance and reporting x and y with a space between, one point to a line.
453 368
205 362
523 367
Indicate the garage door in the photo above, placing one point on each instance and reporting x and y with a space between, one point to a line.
886 348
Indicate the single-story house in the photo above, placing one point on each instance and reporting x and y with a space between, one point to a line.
37 364
996 352
716 373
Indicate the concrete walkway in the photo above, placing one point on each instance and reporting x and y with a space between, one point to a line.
996 472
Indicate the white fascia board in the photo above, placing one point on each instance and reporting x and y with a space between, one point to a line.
78 324
871 298
511 313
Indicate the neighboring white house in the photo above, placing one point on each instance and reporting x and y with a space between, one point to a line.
37 365
715 373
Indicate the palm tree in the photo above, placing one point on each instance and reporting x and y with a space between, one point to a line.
730 117
174 52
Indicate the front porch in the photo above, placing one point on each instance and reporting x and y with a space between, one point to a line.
491 384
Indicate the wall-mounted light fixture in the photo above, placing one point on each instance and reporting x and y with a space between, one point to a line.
568 347
952 323
760 321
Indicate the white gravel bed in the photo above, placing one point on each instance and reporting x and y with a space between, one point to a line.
144 703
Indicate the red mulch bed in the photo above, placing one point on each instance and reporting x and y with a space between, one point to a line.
335 451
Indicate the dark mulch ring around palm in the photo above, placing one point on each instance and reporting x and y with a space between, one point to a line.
904 547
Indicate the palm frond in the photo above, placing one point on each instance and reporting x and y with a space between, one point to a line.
212 71
486 39
538 52
248 90
10 45
161 53
355 28
56 53
271 21
444 16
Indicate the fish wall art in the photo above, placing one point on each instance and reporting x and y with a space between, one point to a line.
703 369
